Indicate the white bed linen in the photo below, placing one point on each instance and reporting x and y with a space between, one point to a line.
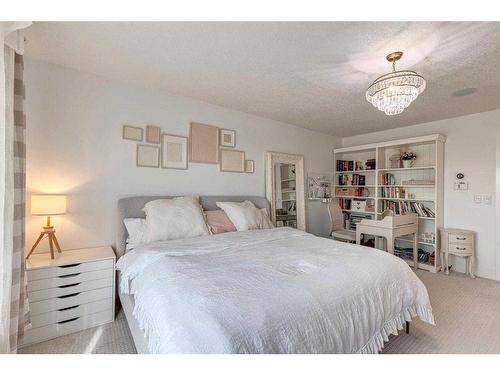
269 291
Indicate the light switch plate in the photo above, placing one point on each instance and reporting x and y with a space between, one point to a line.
487 200
478 199
461 185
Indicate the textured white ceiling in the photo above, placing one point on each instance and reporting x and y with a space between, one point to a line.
310 74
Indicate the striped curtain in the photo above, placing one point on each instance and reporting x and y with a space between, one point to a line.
19 310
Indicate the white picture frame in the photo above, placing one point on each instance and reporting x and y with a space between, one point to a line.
232 160
249 166
148 156
227 138
174 151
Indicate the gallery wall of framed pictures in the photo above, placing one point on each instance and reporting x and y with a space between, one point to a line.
206 144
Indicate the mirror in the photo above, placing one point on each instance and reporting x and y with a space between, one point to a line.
285 189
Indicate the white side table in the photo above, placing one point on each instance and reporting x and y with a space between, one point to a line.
458 242
70 293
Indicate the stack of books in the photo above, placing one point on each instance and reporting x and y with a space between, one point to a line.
370 164
354 219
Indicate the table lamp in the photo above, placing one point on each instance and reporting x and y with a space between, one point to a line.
47 205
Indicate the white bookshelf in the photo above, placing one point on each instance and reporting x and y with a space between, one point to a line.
420 184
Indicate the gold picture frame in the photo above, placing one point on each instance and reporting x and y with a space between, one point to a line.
153 134
132 133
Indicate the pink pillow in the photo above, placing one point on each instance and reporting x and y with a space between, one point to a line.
218 222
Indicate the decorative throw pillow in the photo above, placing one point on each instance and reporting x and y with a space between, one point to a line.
266 221
218 222
245 216
136 229
170 219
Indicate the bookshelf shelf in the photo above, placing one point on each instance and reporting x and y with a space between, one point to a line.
361 212
405 169
419 242
405 199
386 177
356 186
353 197
410 186
361 171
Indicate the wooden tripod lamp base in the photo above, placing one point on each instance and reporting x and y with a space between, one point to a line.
47 205
50 232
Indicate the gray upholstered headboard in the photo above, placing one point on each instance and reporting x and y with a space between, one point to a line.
132 207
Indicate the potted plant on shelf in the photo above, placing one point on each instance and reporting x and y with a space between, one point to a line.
408 158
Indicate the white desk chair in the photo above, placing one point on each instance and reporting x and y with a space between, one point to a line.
337 224
391 227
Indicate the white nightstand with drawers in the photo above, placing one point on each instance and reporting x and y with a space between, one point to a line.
73 292
459 242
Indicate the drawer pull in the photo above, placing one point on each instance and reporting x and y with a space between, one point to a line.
70 265
69 295
461 238
68 320
69 285
70 275
460 248
69 308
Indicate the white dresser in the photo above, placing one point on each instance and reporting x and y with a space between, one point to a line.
458 242
73 292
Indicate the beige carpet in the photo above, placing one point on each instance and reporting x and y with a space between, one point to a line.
466 313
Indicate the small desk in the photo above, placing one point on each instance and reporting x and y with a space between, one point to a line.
390 228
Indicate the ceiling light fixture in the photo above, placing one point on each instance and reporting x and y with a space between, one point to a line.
395 91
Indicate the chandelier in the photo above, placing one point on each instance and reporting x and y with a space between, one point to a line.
395 91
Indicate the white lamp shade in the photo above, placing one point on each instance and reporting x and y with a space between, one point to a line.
48 204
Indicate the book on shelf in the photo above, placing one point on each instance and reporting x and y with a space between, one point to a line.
354 165
401 207
392 192
351 179
387 179
345 165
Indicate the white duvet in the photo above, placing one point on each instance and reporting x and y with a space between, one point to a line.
269 291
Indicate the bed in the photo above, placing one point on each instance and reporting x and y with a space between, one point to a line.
263 291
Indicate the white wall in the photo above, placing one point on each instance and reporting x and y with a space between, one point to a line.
74 146
470 148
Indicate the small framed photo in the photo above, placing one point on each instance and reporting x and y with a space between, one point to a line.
174 151
148 156
232 160
227 138
249 166
132 133
153 134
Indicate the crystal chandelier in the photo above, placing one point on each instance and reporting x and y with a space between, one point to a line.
395 91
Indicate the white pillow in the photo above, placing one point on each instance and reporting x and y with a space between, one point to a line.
170 219
245 216
136 229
